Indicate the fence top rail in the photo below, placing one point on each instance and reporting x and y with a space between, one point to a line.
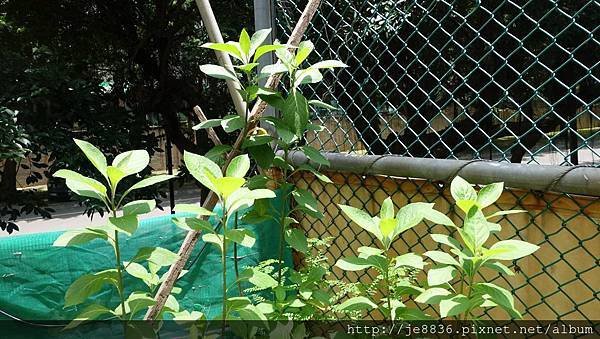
581 180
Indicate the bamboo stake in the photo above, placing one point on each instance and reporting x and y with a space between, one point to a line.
214 35
192 237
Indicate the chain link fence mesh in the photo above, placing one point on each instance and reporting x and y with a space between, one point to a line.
513 81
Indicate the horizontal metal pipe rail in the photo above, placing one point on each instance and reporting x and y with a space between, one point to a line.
573 179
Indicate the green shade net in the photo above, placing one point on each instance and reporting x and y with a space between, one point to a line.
34 275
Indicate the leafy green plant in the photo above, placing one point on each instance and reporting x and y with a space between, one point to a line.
233 196
455 283
452 280
396 274
300 291
123 221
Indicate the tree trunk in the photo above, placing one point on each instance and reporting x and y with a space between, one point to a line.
8 183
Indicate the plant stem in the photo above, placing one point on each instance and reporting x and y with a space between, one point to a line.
224 266
119 272
235 258
282 221
387 285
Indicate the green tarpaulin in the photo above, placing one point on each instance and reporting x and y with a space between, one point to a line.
34 275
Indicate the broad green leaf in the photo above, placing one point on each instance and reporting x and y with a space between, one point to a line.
232 123
353 264
488 194
238 167
410 260
229 48
432 295
476 227
243 198
153 180
137 301
218 72
500 213
262 50
411 215
215 239
217 153
210 123
314 155
193 224
296 239
321 104
82 185
438 218
387 209
252 313
303 51
295 113
94 155
249 92
308 76
441 257
243 237
245 43
186 316
136 270
193 208
262 154
387 226
511 250
126 224
132 162
157 256
496 266
202 169
259 279
258 38
440 275
367 251
357 304
328 64
257 140
139 207
466 205
319 175
79 237
409 313
91 312
307 202
362 219
285 57
462 190
88 285
269 70
500 296
456 305
227 185
446 240
115 175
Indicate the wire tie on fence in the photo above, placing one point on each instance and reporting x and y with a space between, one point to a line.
457 172
367 168
556 180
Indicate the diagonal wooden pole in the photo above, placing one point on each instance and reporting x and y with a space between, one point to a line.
192 237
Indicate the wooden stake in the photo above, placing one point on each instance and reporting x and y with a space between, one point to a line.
192 237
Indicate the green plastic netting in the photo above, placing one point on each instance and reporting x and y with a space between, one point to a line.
34 275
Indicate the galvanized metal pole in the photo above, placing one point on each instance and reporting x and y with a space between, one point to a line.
575 179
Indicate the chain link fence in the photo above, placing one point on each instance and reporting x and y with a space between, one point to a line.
500 80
